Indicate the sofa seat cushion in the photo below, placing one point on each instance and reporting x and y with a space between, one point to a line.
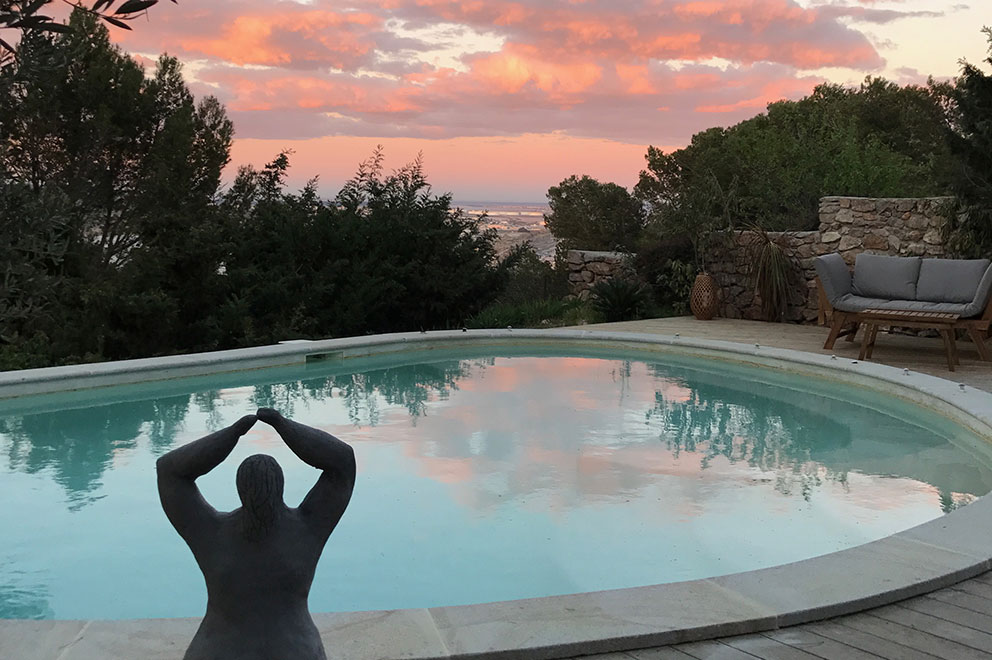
886 278
950 280
854 303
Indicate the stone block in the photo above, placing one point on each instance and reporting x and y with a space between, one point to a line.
933 237
848 243
830 237
875 242
587 276
600 268
844 202
38 640
845 217
575 277
863 205
894 242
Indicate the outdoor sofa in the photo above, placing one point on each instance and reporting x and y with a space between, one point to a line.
956 292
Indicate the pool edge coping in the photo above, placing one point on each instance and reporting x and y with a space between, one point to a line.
933 555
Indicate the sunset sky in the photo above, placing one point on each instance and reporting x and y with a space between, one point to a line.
505 98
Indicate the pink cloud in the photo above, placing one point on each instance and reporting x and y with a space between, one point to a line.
640 74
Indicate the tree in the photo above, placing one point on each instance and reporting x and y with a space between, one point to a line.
878 140
587 214
971 141
385 255
130 167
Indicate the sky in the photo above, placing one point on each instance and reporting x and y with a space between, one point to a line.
505 98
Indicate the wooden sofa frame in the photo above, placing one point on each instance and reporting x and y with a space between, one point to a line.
846 324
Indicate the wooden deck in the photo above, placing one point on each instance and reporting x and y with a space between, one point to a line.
953 623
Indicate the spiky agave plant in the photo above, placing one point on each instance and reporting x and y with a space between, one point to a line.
771 269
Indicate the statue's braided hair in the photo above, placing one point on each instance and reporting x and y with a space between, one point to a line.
260 485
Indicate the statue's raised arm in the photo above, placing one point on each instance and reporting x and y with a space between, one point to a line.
178 470
327 500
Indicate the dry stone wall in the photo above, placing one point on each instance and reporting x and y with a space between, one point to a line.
848 225
587 267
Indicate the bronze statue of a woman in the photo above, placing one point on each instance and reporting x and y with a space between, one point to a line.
259 560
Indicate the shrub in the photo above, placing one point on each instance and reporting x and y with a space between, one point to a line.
619 299
549 312
528 278
667 266
771 269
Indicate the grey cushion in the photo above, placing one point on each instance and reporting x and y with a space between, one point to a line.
950 280
834 275
853 303
981 299
891 278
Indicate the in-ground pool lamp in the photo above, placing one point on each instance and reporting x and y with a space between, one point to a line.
259 560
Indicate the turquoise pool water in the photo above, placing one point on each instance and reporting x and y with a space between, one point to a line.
481 478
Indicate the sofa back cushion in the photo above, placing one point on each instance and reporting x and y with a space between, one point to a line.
950 280
891 278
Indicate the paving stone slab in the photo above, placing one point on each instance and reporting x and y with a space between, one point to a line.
850 580
37 640
599 622
141 639
393 634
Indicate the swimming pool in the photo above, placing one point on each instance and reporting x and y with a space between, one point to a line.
485 473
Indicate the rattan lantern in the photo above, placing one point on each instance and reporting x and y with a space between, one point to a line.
705 297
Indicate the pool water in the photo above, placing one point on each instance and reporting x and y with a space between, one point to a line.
481 478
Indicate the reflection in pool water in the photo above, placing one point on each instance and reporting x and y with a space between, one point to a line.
480 478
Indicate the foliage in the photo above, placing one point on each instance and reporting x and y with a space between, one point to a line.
675 280
666 265
621 299
771 270
119 242
385 256
878 140
527 277
127 168
586 214
971 141
540 313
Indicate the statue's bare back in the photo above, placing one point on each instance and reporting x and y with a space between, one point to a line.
259 560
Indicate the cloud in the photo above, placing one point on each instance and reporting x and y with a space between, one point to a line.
641 71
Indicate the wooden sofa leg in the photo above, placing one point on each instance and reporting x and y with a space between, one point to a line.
837 321
978 338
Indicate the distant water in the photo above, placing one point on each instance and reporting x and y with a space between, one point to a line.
516 223
509 216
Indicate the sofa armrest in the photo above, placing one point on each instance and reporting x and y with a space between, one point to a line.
834 276
981 305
